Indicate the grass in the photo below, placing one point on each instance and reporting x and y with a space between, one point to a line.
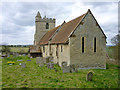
33 76
17 49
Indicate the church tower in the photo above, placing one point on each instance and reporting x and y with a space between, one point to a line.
42 26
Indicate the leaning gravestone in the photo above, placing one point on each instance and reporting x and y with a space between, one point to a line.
89 76
23 65
65 68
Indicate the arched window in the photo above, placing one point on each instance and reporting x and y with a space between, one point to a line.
47 25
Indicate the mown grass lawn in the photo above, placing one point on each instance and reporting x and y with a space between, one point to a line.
33 76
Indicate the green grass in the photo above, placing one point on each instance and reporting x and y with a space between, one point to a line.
17 49
33 76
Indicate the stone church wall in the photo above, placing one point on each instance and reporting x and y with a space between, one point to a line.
88 59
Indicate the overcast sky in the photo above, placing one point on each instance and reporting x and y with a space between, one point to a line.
18 19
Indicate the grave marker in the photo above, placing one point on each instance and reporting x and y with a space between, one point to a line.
89 76
50 65
65 68
23 65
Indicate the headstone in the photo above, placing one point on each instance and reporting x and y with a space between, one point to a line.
23 65
73 68
19 63
64 64
41 64
44 60
8 55
47 59
89 76
19 60
28 60
51 59
17 54
24 54
38 60
50 65
65 68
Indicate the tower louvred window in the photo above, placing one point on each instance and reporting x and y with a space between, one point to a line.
47 25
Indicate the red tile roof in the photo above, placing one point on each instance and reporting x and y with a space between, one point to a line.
47 36
64 32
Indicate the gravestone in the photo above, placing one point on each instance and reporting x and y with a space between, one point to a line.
44 60
64 64
50 65
8 55
23 54
47 59
19 60
73 68
28 60
17 54
23 65
65 68
89 76
51 59
38 59
19 63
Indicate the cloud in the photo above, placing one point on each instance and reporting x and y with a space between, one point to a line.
18 18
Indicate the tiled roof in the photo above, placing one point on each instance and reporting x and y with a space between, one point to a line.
47 36
64 33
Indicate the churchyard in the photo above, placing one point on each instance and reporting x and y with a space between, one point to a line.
28 73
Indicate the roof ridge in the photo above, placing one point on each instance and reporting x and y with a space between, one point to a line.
78 22
57 30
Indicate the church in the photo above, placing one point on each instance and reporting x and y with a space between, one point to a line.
79 42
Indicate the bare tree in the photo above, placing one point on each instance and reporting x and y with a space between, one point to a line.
115 40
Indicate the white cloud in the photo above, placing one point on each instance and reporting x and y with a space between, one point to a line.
18 23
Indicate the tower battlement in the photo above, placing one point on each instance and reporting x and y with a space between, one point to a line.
49 20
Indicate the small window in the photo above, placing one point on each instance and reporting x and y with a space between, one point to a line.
95 44
57 51
82 44
50 48
47 25
43 48
61 48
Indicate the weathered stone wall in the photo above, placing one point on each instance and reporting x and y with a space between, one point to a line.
62 56
88 59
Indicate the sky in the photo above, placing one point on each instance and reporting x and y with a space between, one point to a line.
18 18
